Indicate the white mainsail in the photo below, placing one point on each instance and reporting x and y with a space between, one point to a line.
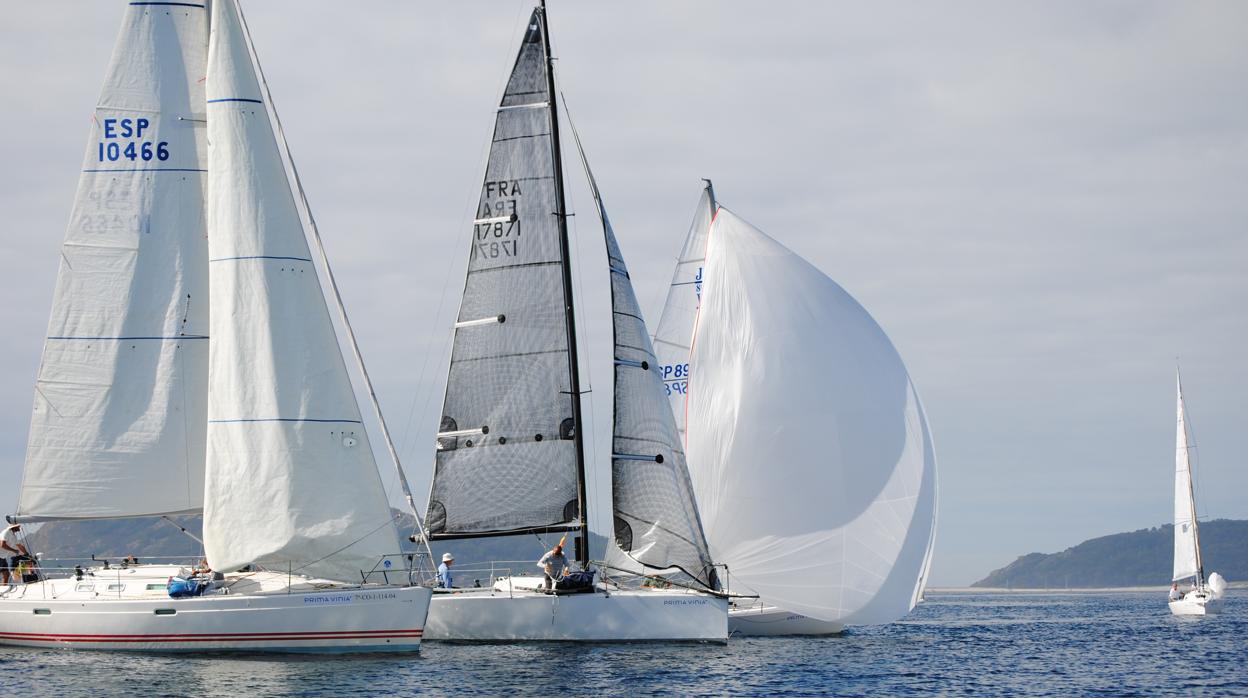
1186 540
291 478
675 328
120 399
809 449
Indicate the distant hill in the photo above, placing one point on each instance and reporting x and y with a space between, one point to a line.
1139 558
154 537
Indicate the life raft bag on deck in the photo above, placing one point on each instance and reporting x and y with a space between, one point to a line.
180 588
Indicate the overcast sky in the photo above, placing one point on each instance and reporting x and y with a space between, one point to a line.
1043 204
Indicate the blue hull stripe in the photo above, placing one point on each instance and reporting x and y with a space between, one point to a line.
235 99
170 4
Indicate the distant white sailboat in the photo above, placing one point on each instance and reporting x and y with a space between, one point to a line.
185 227
808 447
510 458
1205 595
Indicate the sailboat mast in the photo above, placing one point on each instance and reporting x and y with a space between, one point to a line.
569 312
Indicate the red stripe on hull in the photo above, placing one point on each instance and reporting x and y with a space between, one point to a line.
211 637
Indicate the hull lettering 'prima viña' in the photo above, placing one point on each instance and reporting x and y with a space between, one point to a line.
186 226
510 459
808 446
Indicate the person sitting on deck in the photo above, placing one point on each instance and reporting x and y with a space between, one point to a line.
1175 594
554 564
445 580
10 544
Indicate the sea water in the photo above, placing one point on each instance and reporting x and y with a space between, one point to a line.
1111 643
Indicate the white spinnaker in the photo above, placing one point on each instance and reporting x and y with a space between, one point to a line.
120 399
675 328
1186 555
290 477
808 446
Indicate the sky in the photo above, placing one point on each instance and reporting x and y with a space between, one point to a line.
1043 204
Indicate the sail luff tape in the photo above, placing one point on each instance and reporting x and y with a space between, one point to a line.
532 105
499 219
464 432
500 319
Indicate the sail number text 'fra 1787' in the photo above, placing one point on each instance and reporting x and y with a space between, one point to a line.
123 139
497 238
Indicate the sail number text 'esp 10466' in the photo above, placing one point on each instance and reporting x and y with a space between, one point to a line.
123 140
498 232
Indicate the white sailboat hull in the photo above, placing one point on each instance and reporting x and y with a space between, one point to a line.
1197 604
771 621
523 615
58 614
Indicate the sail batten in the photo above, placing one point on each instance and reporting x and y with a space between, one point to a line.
120 398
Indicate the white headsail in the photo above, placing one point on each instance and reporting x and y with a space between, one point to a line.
671 338
1186 538
808 446
119 413
290 474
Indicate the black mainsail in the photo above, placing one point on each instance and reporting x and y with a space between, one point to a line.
509 453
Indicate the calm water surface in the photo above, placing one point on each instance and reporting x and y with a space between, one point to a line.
972 644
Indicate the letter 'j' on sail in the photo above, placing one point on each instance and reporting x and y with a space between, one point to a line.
808 446
120 399
290 474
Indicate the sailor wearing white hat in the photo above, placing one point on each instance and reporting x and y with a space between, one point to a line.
444 571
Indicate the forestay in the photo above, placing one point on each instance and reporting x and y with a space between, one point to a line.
506 455
809 450
675 329
291 478
1186 541
655 517
120 398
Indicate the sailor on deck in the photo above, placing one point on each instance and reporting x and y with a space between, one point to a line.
1175 594
444 571
554 564
10 544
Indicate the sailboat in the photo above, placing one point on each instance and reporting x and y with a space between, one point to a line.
1205 595
809 450
510 458
186 227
